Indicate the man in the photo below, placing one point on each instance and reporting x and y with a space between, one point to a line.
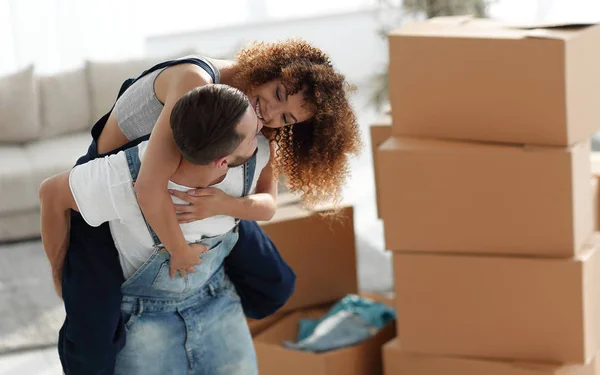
102 191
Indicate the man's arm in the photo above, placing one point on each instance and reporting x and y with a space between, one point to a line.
56 200
88 189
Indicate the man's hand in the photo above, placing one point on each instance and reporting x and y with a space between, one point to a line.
184 261
204 203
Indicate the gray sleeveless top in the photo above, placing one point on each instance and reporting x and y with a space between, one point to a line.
137 110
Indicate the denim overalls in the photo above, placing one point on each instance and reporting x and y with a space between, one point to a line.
94 329
186 325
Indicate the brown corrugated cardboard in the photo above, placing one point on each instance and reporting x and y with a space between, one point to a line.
398 362
257 326
532 309
274 359
380 131
448 196
469 79
320 250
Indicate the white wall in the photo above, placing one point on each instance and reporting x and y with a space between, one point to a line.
350 39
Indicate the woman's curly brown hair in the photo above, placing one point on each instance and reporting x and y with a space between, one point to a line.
313 155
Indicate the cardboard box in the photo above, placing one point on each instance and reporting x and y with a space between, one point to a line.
532 309
468 197
380 131
257 326
320 250
398 362
274 359
474 79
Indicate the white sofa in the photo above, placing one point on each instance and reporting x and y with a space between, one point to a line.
45 124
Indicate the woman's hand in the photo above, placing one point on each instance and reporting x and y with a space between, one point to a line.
204 203
184 262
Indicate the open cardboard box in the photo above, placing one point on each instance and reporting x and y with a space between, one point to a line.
321 250
258 325
361 359
474 79
398 362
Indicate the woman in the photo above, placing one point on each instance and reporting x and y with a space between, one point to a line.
296 93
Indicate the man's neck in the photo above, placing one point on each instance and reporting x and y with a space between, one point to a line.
198 176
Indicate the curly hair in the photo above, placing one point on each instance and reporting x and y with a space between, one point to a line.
312 155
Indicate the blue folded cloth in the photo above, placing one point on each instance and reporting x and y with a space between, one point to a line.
349 322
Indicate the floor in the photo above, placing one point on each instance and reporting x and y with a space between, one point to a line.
31 313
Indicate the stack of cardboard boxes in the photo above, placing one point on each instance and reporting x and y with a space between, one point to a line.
483 180
321 251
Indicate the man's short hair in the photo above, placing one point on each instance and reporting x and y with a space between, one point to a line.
204 122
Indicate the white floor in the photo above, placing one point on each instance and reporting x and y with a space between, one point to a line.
373 263
36 362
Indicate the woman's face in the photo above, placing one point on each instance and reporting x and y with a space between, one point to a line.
276 108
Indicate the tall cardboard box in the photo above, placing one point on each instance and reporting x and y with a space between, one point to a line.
360 359
532 309
380 131
398 362
474 79
468 197
321 251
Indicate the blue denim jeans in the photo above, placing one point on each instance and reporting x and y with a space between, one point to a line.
186 325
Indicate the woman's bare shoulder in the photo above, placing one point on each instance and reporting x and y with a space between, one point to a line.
178 78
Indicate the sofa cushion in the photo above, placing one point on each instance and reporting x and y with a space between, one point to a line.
55 155
19 112
19 225
24 167
64 103
105 79
18 190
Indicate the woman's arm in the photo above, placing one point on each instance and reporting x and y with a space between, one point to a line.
209 202
160 161
260 206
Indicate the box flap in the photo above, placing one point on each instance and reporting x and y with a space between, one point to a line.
414 143
286 329
296 211
469 27
289 212
451 20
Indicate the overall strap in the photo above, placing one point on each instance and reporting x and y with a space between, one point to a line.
99 126
192 60
249 169
133 161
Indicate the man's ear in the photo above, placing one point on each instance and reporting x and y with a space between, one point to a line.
221 163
